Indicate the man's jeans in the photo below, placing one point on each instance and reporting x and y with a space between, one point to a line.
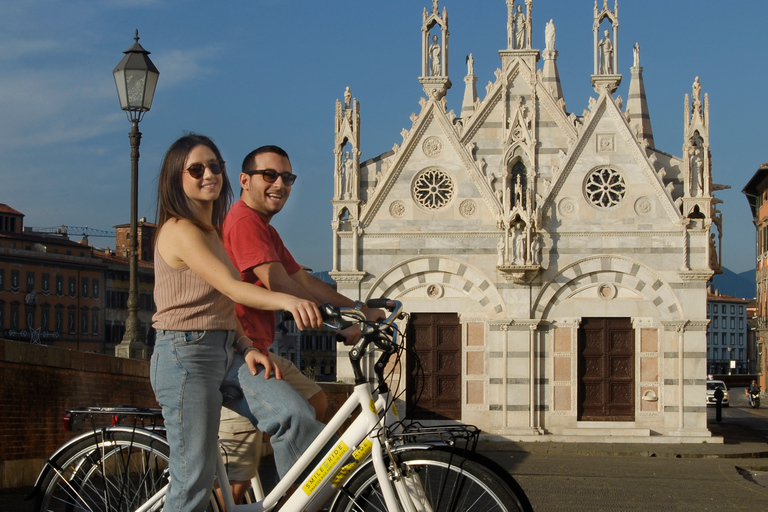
189 371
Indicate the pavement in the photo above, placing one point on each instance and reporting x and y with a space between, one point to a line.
738 442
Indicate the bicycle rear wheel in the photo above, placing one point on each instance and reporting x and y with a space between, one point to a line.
114 470
437 481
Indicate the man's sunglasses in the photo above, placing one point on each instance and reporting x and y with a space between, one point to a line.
270 176
197 170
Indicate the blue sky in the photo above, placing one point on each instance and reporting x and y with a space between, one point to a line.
258 72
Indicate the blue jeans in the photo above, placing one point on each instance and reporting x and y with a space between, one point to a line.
189 371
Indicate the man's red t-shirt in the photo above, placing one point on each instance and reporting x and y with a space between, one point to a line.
251 242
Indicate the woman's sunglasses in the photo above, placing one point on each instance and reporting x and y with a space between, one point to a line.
197 170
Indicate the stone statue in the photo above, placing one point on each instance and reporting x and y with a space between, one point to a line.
696 169
520 26
349 171
636 51
518 193
500 252
549 35
697 96
470 65
696 91
347 98
520 247
536 251
606 48
434 52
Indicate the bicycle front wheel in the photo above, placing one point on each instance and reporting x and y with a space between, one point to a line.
434 480
113 470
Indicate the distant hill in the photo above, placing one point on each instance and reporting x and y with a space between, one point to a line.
740 285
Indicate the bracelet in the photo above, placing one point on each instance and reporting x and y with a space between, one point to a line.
237 345
250 348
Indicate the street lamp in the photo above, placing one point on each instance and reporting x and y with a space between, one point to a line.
136 79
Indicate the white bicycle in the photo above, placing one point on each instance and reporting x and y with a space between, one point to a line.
379 463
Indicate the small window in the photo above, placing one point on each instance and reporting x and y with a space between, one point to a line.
29 317
95 288
15 286
15 323
45 284
72 286
60 286
58 318
45 317
30 281
84 287
95 322
84 322
71 322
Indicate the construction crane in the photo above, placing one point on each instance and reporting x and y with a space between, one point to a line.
76 231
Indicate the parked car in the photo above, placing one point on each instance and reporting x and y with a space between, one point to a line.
712 385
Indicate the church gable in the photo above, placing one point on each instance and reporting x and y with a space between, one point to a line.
608 181
431 178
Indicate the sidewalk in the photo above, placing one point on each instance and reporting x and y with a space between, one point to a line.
738 443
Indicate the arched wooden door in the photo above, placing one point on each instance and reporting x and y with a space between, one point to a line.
435 341
606 370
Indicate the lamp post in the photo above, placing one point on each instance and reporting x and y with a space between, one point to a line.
136 79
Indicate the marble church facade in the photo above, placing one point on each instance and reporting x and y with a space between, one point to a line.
555 263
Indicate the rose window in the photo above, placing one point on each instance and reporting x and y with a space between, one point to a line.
432 189
605 188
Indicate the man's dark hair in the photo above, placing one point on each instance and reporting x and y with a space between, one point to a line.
248 160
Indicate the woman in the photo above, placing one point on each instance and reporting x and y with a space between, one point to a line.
201 352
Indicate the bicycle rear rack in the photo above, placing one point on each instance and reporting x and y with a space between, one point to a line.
80 418
463 437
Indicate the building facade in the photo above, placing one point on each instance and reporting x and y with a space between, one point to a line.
727 336
56 291
554 263
756 192
51 288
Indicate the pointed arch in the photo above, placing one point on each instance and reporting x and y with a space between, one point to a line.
444 271
619 271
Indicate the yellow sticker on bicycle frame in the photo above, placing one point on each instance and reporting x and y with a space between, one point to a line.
394 410
372 406
325 467
358 455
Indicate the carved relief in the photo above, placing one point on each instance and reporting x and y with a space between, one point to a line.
432 147
644 206
606 143
567 207
397 209
467 208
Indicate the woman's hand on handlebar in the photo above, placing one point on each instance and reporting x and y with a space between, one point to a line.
305 313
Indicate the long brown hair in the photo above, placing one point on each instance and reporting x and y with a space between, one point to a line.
172 202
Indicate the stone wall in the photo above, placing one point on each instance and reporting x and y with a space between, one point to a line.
38 382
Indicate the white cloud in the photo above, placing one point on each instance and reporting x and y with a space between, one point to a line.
178 66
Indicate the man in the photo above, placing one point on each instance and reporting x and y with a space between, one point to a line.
257 251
